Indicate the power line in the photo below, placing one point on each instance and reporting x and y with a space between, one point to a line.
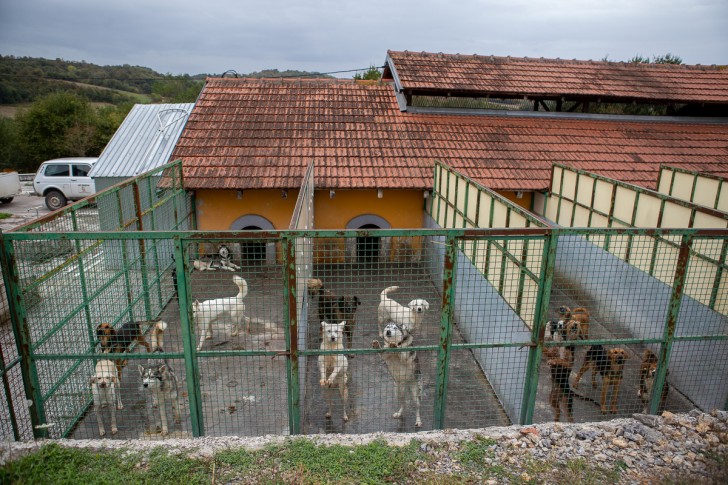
184 77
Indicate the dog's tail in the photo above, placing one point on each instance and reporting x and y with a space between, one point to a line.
242 284
158 336
387 290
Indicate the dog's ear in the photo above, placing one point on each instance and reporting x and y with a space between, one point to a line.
427 305
342 324
357 301
92 380
323 324
141 369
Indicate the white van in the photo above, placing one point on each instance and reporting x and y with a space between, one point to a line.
64 179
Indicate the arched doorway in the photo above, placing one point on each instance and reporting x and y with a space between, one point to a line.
368 249
255 252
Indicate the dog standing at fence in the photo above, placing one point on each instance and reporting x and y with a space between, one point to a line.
106 392
610 365
332 308
648 371
404 368
209 311
333 368
161 383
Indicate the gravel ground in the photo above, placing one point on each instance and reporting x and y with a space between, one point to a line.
646 448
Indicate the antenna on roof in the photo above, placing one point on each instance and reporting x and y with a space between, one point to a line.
230 71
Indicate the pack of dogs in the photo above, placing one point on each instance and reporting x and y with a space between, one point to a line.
606 363
397 326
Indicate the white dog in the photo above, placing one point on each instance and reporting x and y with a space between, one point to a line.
404 367
409 317
210 310
333 367
106 392
161 382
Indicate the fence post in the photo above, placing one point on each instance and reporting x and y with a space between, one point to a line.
23 341
188 341
142 250
530 386
446 315
673 309
291 310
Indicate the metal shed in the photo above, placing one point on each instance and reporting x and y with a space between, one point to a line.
144 141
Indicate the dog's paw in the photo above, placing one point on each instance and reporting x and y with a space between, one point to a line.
327 415
376 344
177 420
418 423
346 418
164 432
120 407
114 430
208 337
322 382
102 433
397 415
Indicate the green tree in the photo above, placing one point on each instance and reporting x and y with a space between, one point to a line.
58 125
372 74
10 155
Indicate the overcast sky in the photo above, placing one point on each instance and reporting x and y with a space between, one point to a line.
212 36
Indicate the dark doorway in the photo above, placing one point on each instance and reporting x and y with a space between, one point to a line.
368 247
252 252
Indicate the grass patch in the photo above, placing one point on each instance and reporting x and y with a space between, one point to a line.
5 215
302 461
54 464
298 461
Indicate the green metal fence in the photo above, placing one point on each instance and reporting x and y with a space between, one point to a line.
480 363
244 358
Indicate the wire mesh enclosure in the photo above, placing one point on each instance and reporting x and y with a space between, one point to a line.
148 329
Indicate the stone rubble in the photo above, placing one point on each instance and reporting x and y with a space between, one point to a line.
644 447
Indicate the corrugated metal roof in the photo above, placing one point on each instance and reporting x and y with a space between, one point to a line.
144 141
553 78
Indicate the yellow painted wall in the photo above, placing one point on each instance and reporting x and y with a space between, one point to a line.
218 209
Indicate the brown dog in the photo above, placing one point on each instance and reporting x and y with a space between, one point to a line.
580 315
118 341
333 309
608 363
648 370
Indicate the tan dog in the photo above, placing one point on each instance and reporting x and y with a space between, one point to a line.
580 315
608 363
333 367
106 393
648 370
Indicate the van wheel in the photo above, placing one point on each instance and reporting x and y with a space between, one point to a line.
55 200
6 200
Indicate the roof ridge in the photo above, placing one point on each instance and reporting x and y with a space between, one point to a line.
494 58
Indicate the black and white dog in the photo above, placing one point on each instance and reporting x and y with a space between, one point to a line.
161 382
404 368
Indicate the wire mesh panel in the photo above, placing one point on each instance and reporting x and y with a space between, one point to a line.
240 326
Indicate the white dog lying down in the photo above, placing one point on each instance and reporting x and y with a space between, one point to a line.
404 367
409 317
106 393
333 367
208 311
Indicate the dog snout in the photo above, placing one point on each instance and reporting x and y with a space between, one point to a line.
102 384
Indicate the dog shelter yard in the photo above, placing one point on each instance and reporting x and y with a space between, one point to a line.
492 285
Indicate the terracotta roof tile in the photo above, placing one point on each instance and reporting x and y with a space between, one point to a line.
556 77
247 134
